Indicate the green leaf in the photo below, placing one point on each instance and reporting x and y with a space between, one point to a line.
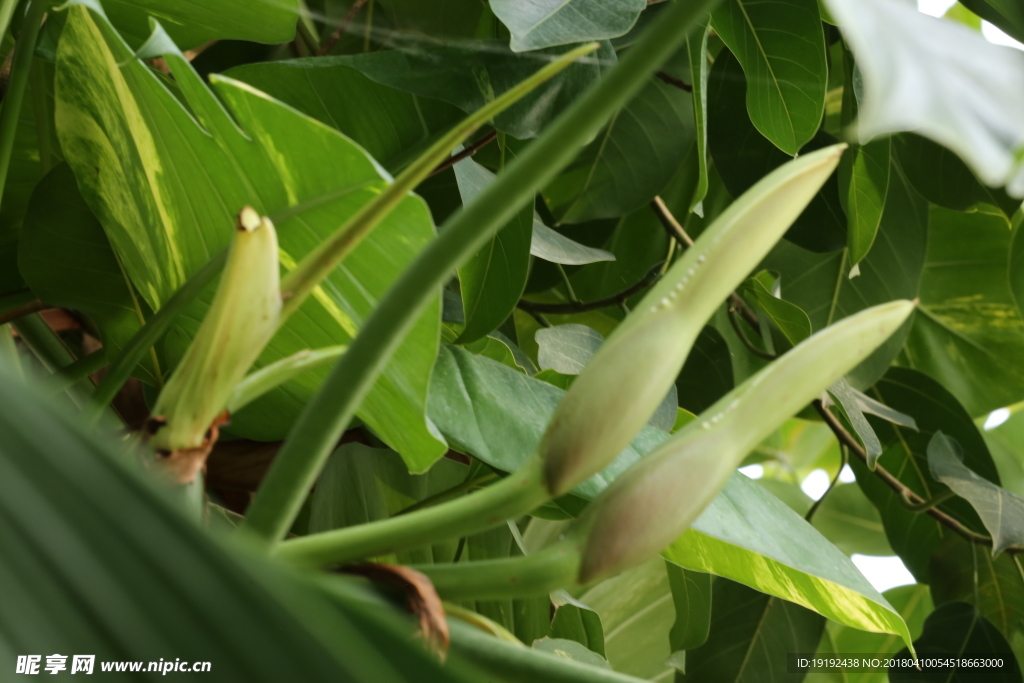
1001 512
388 123
567 348
965 572
941 80
969 334
868 185
751 633
915 536
631 160
913 603
638 243
471 77
1006 442
951 631
782 49
170 185
499 415
819 284
555 247
576 621
494 279
742 156
691 593
707 374
190 23
637 611
843 393
570 649
943 179
99 561
66 259
1006 14
791 321
697 50
535 25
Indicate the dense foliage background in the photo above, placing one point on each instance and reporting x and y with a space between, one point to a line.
133 132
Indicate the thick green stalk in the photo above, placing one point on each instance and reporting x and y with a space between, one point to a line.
318 428
154 328
298 284
21 68
69 375
7 8
274 375
479 511
47 346
556 566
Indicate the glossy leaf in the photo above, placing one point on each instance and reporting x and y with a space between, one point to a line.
915 536
385 121
631 160
1001 512
819 284
191 23
575 620
969 334
941 80
567 348
165 225
750 635
951 631
555 247
469 78
691 593
66 259
791 321
492 281
868 184
498 415
782 49
843 393
742 156
100 561
543 23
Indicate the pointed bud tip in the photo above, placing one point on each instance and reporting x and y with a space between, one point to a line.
248 219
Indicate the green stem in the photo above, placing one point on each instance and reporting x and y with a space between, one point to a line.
154 328
318 428
556 566
9 351
72 374
927 505
274 375
21 68
299 283
523 490
7 8
51 352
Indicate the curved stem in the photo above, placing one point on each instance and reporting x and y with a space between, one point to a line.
69 375
21 311
21 69
325 418
515 495
582 306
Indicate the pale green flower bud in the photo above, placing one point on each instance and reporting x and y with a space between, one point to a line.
242 318
623 384
651 504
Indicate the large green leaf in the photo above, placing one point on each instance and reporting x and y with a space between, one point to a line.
471 77
743 156
939 79
493 280
915 536
956 630
751 634
631 160
166 187
193 22
820 284
969 334
66 259
98 561
782 49
544 23
388 123
499 415
1001 512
